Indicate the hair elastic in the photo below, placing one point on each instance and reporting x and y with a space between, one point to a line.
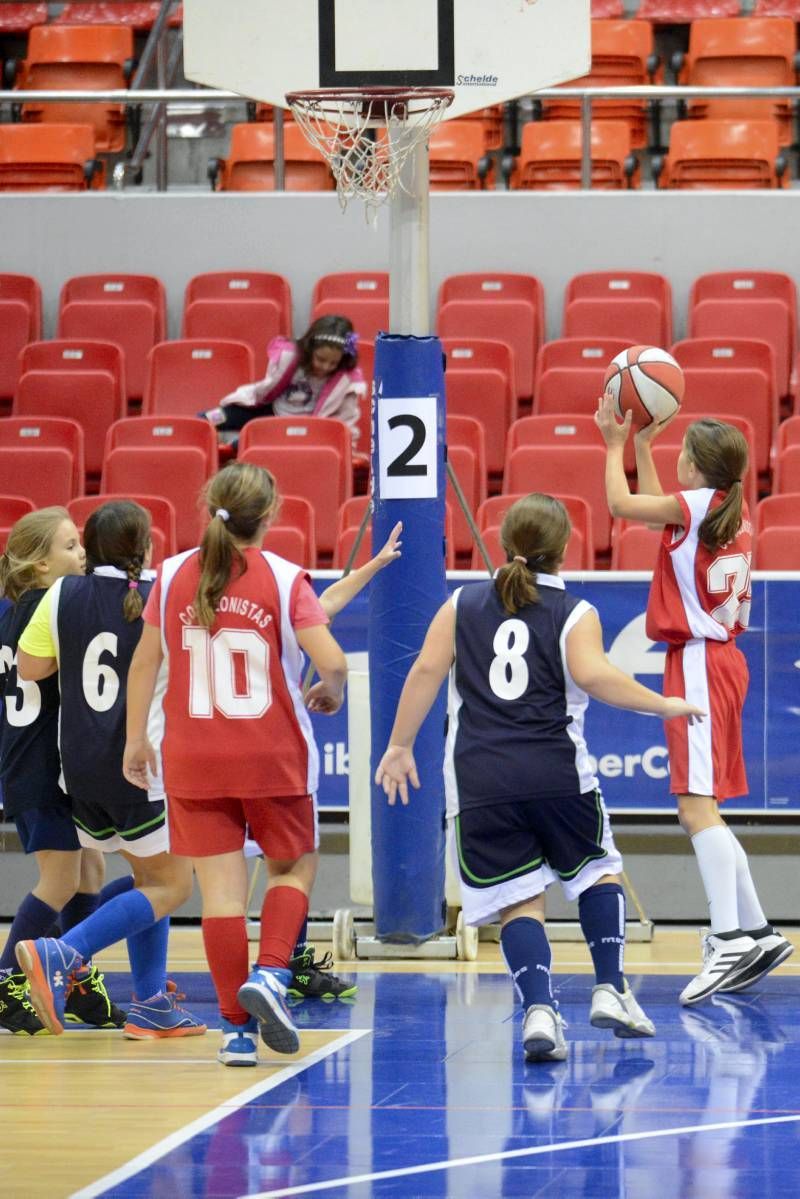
223 514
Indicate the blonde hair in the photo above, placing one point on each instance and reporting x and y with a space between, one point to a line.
29 542
719 451
536 529
246 495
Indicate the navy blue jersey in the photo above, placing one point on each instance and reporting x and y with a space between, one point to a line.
515 715
29 763
95 644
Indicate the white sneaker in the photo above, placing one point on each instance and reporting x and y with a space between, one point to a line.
776 949
619 1012
724 962
543 1034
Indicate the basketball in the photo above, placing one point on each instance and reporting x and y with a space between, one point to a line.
646 380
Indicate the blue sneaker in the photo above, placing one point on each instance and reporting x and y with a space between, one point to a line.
49 965
239 1043
160 1017
264 996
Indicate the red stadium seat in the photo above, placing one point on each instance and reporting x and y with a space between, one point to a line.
469 432
88 397
723 154
492 511
48 158
787 470
161 432
189 376
176 473
297 513
634 547
636 305
551 155
351 285
20 322
777 511
778 548
44 476
572 470
250 165
162 515
500 306
79 58
573 558
318 473
47 432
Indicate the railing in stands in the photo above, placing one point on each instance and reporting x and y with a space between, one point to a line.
209 96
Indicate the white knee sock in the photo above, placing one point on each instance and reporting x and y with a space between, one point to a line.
751 914
716 859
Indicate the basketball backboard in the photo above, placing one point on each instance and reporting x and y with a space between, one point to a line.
487 51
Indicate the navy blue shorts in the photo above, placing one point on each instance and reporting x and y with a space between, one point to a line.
138 828
47 828
498 842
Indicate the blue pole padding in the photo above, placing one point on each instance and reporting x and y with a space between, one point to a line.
408 484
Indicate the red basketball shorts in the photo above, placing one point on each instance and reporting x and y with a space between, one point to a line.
284 826
706 758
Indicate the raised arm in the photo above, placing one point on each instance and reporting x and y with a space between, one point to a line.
339 594
592 671
397 766
651 509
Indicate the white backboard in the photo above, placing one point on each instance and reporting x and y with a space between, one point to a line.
487 51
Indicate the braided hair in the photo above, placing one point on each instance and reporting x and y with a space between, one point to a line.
118 534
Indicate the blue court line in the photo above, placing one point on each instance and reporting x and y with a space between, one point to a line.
536 1151
143 1160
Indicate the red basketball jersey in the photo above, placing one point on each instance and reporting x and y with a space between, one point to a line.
697 592
235 724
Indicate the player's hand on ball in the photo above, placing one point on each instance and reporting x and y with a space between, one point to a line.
139 758
320 698
674 706
391 550
614 432
396 770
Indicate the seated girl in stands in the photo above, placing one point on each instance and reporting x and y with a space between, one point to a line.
316 375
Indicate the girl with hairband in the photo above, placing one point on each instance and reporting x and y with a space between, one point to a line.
699 604
86 628
523 801
315 375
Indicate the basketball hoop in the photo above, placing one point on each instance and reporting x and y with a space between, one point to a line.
367 134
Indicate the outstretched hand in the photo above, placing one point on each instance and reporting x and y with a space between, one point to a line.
674 706
614 433
396 770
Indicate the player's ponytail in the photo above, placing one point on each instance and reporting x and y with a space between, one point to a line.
534 535
29 542
240 498
719 451
118 534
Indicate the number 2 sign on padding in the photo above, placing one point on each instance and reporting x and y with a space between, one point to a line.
407 448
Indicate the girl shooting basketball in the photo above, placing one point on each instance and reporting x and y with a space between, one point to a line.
699 604
523 802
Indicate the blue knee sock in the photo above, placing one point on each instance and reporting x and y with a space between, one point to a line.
602 915
33 919
302 939
79 908
121 917
147 951
527 952
117 886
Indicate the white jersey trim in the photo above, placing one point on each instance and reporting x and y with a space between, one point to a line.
577 702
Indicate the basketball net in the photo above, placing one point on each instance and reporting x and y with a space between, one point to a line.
367 135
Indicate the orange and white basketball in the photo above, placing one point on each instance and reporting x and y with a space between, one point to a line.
646 380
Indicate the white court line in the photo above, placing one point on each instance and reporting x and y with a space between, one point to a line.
538 1150
161 1148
